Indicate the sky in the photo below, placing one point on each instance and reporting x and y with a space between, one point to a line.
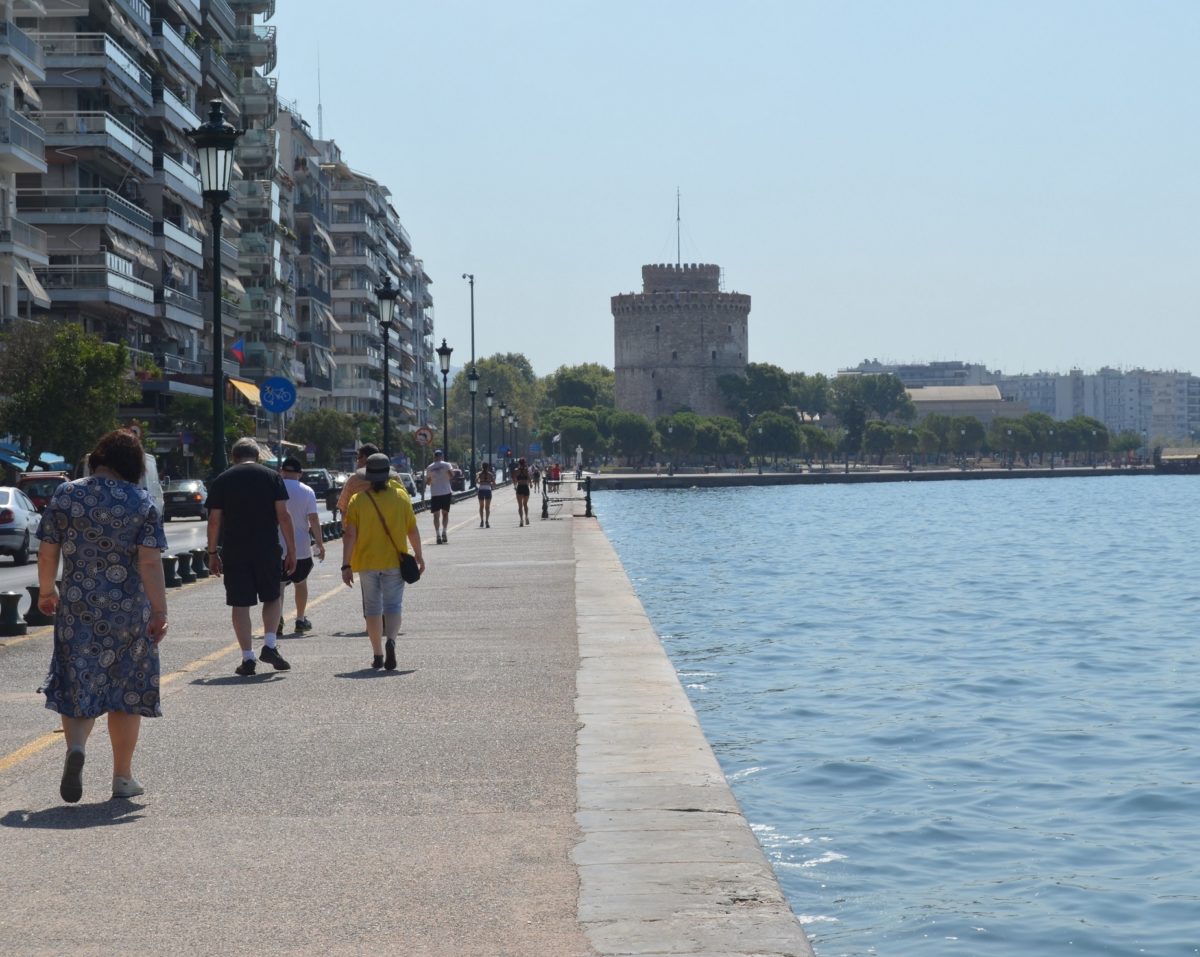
1013 183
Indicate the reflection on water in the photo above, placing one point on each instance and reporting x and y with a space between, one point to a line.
961 717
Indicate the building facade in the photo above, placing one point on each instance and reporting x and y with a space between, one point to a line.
676 338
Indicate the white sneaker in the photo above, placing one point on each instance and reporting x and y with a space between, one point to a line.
126 787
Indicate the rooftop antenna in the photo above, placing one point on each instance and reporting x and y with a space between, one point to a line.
678 253
320 111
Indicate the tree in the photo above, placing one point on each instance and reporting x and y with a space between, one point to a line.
885 396
763 388
193 413
588 385
328 430
780 434
877 439
511 379
817 441
847 401
810 393
62 387
632 435
677 433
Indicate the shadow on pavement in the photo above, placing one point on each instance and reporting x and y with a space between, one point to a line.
375 673
239 679
349 634
100 814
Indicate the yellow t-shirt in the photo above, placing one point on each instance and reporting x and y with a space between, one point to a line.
373 551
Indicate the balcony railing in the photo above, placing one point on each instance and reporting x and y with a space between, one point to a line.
17 130
24 235
139 9
70 128
186 178
318 337
83 201
176 47
181 300
220 11
17 39
169 230
255 43
66 47
174 109
318 293
61 278
219 67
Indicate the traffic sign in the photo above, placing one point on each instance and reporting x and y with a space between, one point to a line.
423 435
277 394
535 448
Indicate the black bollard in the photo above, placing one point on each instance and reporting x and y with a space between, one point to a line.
172 580
199 566
183 562
10 620
587 497
337 529
35 616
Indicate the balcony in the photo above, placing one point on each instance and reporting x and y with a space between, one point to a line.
19 47
92 280
138 9
167 41
22 144
317 250
229 367
265 7
220 13
24 241
171 109
178 364
255 46
178 178
83 57
319 293
179 307
216 66
259 98
179 243
99 131
258 150
257 199
257 249
85 206
317 337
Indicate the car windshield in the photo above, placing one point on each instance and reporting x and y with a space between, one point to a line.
42 487
184 485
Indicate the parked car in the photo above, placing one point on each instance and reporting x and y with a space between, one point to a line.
19 520
410 483
457 480
185 497
319 480
40 486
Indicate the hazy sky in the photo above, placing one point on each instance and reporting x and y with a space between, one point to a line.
1009 182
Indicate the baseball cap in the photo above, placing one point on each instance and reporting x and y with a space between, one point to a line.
438 452
291 464
378 468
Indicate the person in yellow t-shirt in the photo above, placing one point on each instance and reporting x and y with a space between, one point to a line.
378 526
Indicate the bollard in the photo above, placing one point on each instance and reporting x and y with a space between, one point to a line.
199 566
545 505
337 528
35 616
172 580
183 561
587 497
10 621
327 532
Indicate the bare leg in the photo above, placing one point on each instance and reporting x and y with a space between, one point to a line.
241 625
271 611
301 598
375 632
76 731
123 733
391 626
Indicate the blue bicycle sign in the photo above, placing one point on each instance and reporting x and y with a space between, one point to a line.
277 394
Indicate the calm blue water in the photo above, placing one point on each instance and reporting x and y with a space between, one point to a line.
961 716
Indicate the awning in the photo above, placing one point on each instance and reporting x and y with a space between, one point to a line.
131 249
321 358
14 460
327 314
25 85
325 237
37 291
248 389
233 284
175 330
131 32
199 227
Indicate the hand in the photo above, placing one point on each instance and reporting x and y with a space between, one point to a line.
421 563
214 565
321 552
157 629
48 600
348 577
289 563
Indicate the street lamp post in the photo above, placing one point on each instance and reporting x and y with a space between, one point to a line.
489 397
1012 452
1052 449
386 295
443 354
512 425
473 387
215 142
760 450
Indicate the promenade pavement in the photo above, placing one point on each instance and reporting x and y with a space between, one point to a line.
469 803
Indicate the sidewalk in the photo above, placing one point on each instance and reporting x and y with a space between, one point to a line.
332 809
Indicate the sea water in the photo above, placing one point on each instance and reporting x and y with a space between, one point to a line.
961 717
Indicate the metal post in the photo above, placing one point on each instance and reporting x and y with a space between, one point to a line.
219 462
387 432
470 277
445 426
587 497
491 452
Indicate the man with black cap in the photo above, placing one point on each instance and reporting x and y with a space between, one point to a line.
437 479
306 525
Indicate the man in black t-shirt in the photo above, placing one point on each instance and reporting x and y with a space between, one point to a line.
247 508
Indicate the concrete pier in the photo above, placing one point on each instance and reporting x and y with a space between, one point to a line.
531 780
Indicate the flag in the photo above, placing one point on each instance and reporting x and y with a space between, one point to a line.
557 437
239 350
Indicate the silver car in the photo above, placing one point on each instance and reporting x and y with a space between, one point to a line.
19 520
410 484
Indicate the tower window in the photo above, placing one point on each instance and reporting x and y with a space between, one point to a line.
731 328
657 327
658 394
714 355
674 355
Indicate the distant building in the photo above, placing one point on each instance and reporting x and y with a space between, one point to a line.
984 402
916 375
676 338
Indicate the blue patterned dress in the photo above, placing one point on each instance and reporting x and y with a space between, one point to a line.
103 659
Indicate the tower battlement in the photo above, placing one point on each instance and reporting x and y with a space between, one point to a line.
686 277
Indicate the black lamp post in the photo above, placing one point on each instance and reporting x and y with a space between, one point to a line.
215 142
489 397
516 437
760 450
503 423
386 294
443 354
472 387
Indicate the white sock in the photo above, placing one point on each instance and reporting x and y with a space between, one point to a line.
269 639
248 655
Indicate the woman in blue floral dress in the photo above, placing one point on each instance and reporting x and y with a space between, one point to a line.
112 612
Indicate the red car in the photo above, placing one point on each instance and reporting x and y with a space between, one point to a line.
40 486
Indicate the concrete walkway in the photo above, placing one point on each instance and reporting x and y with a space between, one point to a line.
469 803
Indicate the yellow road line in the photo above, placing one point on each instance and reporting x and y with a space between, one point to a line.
35 746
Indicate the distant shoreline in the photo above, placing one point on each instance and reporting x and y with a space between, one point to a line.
834 475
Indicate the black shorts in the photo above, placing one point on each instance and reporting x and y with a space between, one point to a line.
440 503
303 567
250 579
522 491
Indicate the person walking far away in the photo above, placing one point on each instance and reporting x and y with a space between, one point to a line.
306 523
484 483
113 610
356 482
521 480
437 480
379 527
247 508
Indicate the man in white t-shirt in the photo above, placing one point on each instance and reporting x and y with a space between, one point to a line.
437 480
302 506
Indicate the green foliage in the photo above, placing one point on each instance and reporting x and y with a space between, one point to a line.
848 403
191 413
817 442
885 397
632 435
810 393
329 430
877 439
511 379
764 388
775 434
62 387
588 385
677 433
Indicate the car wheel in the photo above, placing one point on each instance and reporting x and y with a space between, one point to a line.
21 555
204 515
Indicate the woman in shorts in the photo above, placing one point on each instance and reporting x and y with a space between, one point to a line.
521 480
484 482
